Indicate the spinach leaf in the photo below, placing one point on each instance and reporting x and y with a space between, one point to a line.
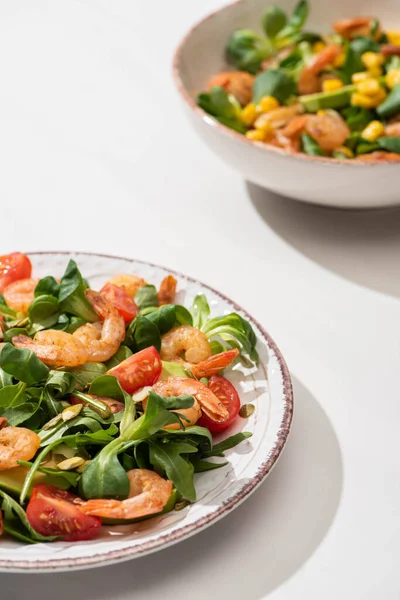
122 354
141 334
72 294
105 477
273 20
310 146
58 385
200 311
168 459
273 82
56 477
164 317
43 310
109 386
354 51
204 465
146 296
390 144
23 364
86 373
296 20
246 50
10 333
357 117
390 106
223 107
16 522
232 330
62 323
5 379
47 286
230 442
183 316
74 324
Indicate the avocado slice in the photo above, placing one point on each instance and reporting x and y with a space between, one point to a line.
175 496
323 100
171 369
12 480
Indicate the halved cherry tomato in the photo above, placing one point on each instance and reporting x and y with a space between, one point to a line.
52 511
229 397
139 370
122 301
14 266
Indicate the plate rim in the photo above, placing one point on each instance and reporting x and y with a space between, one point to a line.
168 539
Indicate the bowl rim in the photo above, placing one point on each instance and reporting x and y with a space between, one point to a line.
168 538
230 133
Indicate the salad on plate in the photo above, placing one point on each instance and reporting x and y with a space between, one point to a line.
332 94
109 399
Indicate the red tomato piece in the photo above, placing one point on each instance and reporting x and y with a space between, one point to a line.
52 511
122 301
229 397
14 266
137 371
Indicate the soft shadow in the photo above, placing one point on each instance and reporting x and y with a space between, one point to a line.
363 246
266 540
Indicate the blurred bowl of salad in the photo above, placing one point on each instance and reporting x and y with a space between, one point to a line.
302 99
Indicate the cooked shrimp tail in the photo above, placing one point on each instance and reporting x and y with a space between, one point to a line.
214 364
167 291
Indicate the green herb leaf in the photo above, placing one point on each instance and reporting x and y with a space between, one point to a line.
72 294
16 522
122 354
200 311
310 146
58 385
105 477
204 465
47 286
246 50
230 442
23 364
85 374
43 310
390 144
273 20
221 106
141 334
167 458
296 21
274 83
146 296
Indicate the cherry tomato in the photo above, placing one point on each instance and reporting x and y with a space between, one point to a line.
52 511
139 370
229 397
14 266
122 301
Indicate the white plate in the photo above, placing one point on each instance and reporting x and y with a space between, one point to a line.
219 491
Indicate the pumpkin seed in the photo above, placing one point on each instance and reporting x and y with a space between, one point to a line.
71 412
246 410
71 463
181 504
54 421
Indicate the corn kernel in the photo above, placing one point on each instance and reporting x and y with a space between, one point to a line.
340 60
373 131
357 77
393 37
321 112
358 99
345 150
268 103
249 114
256 135
331 85
375 71
318 47
392 78
264 126
369 87
372 59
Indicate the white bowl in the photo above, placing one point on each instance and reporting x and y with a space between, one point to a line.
327 181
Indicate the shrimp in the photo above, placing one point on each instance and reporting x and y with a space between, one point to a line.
101 341
214 364
3 422
148 494
187 339
237 83
392 129
329 130
178 386
390 50
20 294
54 348
167 291
17 443
279 117
379 156
130 283
309 82
358 26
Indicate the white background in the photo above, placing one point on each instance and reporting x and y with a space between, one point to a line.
96 155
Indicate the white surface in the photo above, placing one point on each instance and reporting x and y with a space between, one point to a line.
265 385
96 154
340 183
